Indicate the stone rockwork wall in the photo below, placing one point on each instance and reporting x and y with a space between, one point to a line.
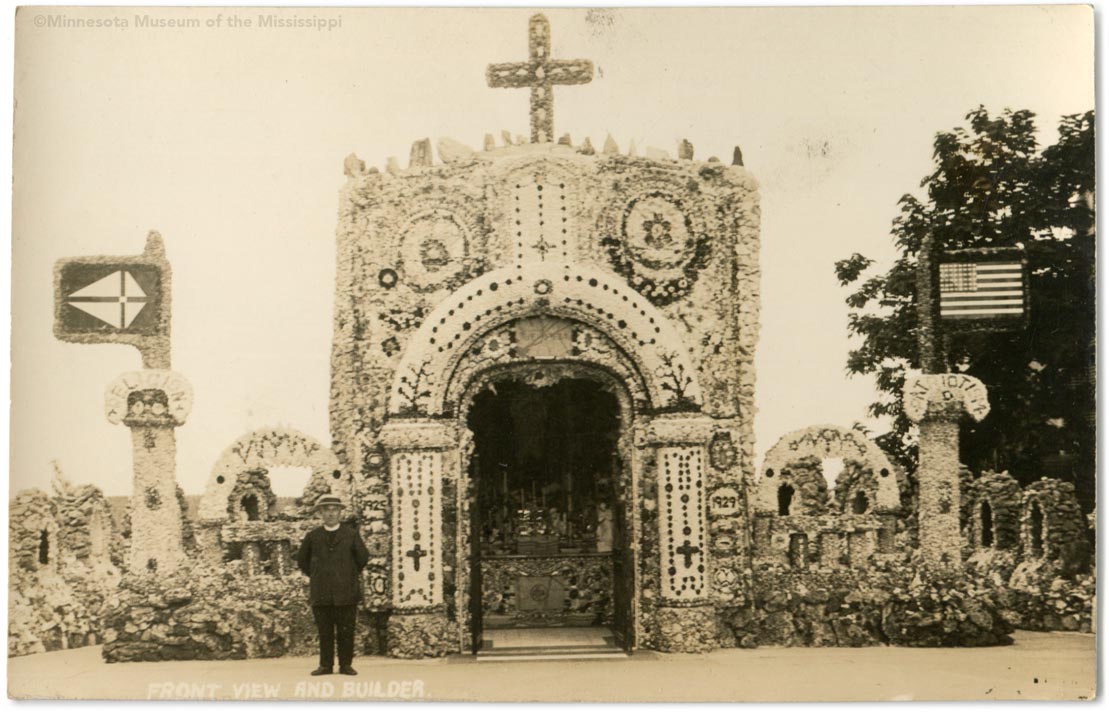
1036 555
60 568
1052 586
891 603
85 529
218 613
1052 526
242 594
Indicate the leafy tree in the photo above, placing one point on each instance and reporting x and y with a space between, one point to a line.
990 187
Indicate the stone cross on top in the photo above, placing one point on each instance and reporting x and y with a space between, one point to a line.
540 73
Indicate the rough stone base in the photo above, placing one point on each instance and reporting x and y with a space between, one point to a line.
686 629
419 635
371 633
204 614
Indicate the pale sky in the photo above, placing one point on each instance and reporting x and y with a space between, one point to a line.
230 142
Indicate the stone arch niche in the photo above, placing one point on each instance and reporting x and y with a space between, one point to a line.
822 527
552 320
252 497
992 516
827 441
1052 528
33 533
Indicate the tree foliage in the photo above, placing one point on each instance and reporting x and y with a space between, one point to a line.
990 187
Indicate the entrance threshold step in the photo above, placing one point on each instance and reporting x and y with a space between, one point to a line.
550 648
548 654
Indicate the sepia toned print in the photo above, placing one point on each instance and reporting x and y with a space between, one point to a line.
516 416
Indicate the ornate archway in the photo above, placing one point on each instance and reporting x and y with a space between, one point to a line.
558 320
582 294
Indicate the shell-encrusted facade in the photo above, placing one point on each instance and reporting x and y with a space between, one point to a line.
445 273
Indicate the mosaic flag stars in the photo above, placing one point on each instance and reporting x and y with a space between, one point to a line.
979 290
540 73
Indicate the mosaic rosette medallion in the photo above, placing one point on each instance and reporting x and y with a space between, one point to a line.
658 241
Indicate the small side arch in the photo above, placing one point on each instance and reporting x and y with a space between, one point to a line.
265 448
827 441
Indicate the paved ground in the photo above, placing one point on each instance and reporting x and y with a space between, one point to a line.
1038 666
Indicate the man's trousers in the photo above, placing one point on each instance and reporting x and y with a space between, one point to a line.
335 622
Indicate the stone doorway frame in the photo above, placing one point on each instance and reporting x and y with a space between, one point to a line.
538 374
671 435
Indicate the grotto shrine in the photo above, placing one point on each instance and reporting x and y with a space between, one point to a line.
534 344
542 401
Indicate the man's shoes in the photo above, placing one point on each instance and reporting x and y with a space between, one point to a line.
321 670
348 670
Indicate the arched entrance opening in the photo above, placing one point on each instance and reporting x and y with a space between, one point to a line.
542 331
545 469
548 496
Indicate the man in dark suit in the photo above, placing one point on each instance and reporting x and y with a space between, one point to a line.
332 556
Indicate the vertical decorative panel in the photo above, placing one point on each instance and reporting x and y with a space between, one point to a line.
541 220
682 522
417 551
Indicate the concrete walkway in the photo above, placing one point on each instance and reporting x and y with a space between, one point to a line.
1037 666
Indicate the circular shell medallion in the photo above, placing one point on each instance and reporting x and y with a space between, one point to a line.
659 247
657 233
434 250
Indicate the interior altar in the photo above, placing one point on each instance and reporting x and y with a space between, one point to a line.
547 590
545 466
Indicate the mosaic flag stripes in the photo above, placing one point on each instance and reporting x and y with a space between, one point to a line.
981 290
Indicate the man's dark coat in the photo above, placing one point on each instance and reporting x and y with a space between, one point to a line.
333 561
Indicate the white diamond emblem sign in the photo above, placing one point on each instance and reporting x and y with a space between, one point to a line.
115 299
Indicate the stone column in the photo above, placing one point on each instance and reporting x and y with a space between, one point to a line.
937 402
686 616
152 403
421 455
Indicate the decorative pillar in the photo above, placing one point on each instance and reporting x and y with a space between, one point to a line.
937 402
282 558
252 558
152 403
686 616
420 454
